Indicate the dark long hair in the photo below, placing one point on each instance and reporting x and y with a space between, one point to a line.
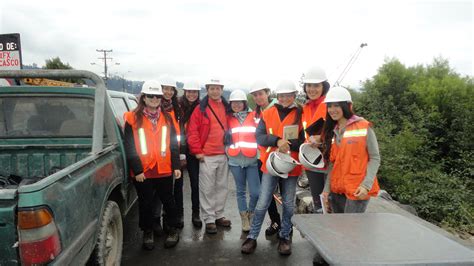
326 87
258 109
330 124
138 111
187 107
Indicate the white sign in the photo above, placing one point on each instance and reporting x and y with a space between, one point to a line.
10 52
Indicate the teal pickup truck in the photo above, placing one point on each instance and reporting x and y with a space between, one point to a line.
64 185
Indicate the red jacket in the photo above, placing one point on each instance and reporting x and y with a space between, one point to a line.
199 126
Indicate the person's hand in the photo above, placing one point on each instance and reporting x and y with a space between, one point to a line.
140 177
315 140
200 157
177 174
182 163
283 145
325 196
361 193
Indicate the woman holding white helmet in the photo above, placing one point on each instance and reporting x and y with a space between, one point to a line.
153 158
315 86
351 147
261 96
280 129
242 151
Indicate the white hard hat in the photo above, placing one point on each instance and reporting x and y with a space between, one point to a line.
214 81
168 81
280 164
310 157
152 87
338 94
314 75
237 95
258 85
191 86
286 86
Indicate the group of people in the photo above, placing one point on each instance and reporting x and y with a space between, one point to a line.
212 137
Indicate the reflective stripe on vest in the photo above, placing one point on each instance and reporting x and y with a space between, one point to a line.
243 130
244 144
355 133
141 136
163 140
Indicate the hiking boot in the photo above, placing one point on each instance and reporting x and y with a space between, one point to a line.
148 240
272 229
196 220
223 222
284 247
211 228
244 216
173 238
249 246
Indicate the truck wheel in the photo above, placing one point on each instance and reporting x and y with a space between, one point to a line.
108 249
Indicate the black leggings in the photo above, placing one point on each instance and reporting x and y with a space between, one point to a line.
146 191
193 171
316 185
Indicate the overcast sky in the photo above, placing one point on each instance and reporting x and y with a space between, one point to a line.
242 41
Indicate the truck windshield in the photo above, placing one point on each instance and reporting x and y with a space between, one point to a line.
41 116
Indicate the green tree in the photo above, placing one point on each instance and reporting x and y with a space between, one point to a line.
423 117
56 63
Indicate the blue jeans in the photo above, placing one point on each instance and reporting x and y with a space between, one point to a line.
288 191
243 176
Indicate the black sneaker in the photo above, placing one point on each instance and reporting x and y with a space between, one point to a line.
196 220
148 240
173 238
272 229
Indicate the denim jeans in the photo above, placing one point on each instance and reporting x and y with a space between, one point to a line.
243 176
288 191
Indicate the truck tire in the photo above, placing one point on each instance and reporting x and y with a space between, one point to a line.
108 249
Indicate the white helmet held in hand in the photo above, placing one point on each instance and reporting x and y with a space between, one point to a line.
338 94
315 75
168 81
237 95
152 87
280 164
191 86
286 86
258 86
311 158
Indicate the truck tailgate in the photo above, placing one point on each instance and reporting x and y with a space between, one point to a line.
8 231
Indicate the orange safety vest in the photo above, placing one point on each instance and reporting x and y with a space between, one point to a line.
350 159
275 125
308 118
152 146
243 136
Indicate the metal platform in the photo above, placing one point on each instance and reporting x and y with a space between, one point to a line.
379 239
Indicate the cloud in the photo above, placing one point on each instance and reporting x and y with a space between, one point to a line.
242 41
